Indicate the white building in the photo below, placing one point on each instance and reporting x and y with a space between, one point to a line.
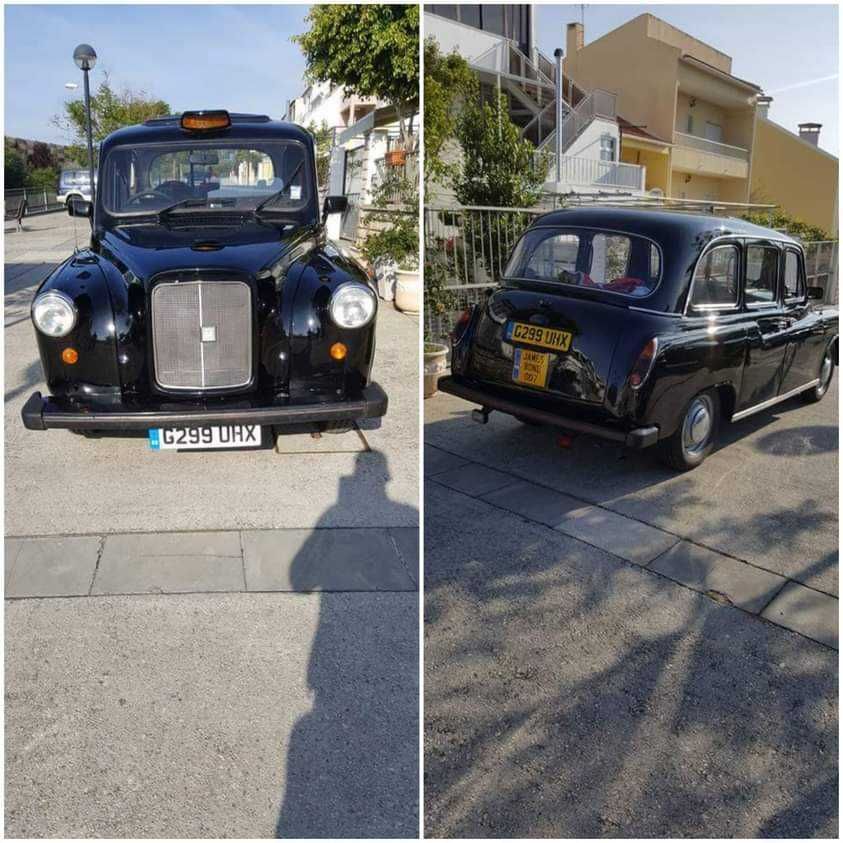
498 42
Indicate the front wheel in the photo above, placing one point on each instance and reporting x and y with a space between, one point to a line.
694 439
818 392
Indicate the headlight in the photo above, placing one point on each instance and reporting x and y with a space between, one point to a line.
54 314
352 306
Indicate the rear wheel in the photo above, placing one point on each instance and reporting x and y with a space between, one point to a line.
694 439
818 392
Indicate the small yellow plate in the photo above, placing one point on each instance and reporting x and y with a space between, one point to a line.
538 335
530 367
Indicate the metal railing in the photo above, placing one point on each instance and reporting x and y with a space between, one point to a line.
710 146
38 200
598 103
821 259
590 171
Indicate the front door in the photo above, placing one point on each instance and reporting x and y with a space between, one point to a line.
768 325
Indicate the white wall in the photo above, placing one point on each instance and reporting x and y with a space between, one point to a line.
469 42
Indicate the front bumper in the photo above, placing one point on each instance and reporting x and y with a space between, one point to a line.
41 413
639 437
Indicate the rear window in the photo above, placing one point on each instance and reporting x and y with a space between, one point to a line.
624 264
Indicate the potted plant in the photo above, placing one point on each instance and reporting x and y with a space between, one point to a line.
395 158
439 301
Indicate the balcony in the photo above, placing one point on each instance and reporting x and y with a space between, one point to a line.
595 174
693 154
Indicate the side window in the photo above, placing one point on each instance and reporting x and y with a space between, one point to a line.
607 148
716 279
794 280
762 271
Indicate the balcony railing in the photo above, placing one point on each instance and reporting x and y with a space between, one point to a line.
595 173
710 146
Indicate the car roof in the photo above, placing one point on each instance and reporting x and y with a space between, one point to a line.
243 126
658 224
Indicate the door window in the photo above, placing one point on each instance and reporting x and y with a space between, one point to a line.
715 282
762 270
794 279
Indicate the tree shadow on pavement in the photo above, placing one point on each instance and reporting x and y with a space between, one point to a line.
570 694
352 762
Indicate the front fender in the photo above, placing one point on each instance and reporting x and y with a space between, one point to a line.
95 374
313 332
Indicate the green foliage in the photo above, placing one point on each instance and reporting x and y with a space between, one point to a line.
498 167
43 178
396 202
14 169
324 138
109 111
448 83
372 50
795 227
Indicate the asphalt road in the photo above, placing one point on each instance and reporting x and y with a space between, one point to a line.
572 693
210 713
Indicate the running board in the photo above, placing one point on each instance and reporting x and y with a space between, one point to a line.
777 400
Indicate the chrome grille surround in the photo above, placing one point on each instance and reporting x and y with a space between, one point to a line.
187 357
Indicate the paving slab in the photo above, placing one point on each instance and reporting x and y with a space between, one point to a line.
170 563
300 439
323 560
806 611
538 503
54 567
407 540
475 479
11 549
622 536
436 461
740 584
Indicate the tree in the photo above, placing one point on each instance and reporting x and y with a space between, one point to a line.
324 139
372 50
498 166
109 111
449 82
14 169
793 226
42 178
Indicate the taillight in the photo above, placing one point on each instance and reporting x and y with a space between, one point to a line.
462 324
644 364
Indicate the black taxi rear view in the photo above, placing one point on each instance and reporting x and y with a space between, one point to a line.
647 328
209 304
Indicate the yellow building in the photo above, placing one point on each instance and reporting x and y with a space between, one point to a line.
695 125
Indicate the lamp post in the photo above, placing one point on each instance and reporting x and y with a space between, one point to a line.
86 57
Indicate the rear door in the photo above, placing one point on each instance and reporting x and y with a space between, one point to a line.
768 324
554 325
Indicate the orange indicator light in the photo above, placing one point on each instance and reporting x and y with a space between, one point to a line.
70 356
338 351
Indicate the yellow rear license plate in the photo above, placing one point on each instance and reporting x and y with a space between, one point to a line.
538 335
530 367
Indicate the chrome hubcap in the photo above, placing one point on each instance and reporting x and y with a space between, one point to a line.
825 375
696 430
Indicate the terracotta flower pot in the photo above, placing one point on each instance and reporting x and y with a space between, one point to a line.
395 158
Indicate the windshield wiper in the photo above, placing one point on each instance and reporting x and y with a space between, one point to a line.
278 193
184 203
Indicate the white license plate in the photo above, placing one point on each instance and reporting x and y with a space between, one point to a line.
212 436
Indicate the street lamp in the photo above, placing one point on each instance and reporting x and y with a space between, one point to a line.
86 57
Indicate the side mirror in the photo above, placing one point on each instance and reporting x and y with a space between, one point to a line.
817 293
81 208
335 205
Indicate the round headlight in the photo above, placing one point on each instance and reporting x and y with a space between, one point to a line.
54 314
352 306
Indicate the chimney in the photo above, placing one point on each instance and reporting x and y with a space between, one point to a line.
763 105
574 38
810 132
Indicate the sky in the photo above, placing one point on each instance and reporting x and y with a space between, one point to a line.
784 49
237 57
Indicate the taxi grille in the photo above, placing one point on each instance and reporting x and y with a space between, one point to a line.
202 334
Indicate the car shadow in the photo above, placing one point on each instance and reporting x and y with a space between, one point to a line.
352 760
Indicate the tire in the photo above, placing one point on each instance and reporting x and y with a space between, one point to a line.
817 393
696 435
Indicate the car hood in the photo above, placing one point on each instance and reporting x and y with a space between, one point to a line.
150 250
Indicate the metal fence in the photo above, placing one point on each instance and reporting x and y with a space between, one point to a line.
466 250
37 201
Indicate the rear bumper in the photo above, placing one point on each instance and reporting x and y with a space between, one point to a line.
41 413
640 437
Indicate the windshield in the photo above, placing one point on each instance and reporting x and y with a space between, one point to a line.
611 262
237 175
75 177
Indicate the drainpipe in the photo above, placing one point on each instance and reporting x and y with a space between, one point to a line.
558 56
